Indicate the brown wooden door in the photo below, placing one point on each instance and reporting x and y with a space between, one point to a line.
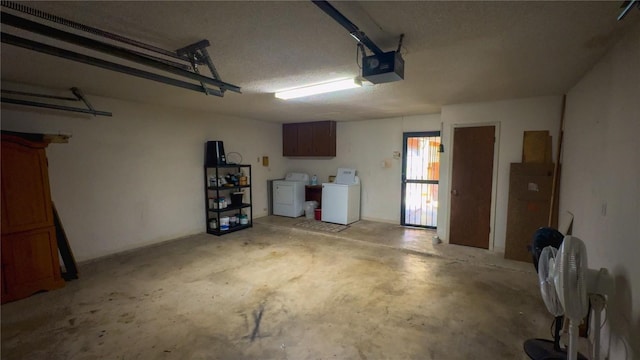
471 183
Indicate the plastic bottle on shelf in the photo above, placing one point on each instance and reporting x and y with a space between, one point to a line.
314 180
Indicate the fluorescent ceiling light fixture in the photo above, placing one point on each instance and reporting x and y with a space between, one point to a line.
335 85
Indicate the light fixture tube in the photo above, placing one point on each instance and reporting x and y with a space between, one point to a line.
322 88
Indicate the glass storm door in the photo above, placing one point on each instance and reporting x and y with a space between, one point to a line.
420 175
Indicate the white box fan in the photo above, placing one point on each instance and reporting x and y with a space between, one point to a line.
568 286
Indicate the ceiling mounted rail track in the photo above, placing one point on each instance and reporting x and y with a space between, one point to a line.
72 24
183 62
353 30
9 97
627 6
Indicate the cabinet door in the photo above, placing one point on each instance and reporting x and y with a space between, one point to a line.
324 138
289 139
30 263
26 201
305 139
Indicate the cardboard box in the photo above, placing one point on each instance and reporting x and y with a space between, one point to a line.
536 147
529 201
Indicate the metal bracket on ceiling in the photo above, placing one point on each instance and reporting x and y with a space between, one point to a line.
195 54
400 43
78 93
79 96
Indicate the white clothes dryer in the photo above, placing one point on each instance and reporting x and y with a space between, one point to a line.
288 195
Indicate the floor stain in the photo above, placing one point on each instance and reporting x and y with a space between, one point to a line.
320 295
126 318
257 318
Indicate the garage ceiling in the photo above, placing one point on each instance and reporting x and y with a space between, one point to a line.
455 52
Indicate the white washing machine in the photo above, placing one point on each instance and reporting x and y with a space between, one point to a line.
288 195
341 199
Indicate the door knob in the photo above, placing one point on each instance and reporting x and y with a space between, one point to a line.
454 192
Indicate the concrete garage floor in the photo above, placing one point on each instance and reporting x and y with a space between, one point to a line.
373 291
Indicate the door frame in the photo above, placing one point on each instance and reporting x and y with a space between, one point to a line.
403 188
494 181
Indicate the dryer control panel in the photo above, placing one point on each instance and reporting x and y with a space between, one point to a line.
298 177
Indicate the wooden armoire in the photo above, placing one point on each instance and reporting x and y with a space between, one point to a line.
29 247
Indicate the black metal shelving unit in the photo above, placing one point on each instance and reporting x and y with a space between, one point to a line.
215 192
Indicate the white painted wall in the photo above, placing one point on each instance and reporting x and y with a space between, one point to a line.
512 118
137 178
601 183
366 146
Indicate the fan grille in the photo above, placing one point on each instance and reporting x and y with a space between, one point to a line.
546 275
572 278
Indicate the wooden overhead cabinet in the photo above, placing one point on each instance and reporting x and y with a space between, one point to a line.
309 139
29 247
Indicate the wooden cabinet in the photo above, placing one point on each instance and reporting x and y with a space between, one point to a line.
29 248
313 193
26 201
309 139
28 264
